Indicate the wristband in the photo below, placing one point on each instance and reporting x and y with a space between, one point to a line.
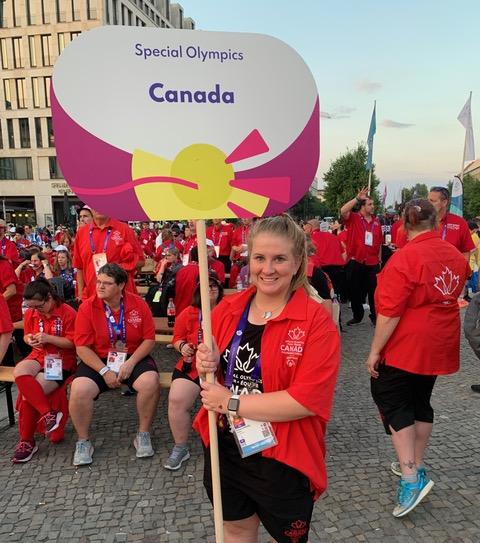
359 200
104 370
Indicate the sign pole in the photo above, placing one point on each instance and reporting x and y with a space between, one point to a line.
210 377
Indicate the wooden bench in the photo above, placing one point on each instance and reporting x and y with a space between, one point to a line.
7 380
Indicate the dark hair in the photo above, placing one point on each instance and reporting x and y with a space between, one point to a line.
20 230
39 253
194 254
196 300
441 190
116 272
41 290
167 235
472 225
419 214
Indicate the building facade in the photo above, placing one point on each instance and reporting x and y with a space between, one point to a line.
33 33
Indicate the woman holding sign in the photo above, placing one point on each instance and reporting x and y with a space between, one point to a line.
276 364
49 328
114 335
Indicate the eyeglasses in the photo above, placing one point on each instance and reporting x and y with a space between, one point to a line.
442 190
105 283
212 287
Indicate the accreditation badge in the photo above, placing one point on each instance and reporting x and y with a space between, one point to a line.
99 260
252 436
53 369
368 238
217 250
115 360
157 296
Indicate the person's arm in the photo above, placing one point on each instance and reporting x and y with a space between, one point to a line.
384 328
347 208
91 359
20 267
61 342
80 283
5 339
10 291
466 256
47 270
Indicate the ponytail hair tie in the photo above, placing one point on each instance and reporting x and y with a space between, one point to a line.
418 208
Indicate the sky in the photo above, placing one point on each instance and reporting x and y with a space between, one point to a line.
418 59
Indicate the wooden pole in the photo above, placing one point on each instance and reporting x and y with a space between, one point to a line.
210 378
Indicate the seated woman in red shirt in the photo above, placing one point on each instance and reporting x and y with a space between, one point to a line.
48 330
32 268
114 335
276 364
417 338
187 334
6 328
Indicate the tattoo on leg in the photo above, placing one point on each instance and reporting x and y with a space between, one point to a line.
410 464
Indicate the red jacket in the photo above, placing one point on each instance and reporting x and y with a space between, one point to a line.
186 328
421 284
6 324
357 226
222 237
300 354
328 249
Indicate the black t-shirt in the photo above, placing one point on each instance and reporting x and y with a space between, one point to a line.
244 381
319 282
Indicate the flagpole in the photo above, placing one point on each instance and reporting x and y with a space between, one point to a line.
375 129
464 148
369 181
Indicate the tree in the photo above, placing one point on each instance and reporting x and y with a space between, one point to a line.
346 176
419 190
471 197
308 207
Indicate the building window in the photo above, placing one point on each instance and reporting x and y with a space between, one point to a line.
114 7
38 131
24 127
16 168
73 35
55 171
167 9
17 52
29 12
21 85
61 42
1 136
4 53
45 18
33 51
46 58
51 137
14 13
180 11
35 92
46 87
91 10
10 134
7 90
75 12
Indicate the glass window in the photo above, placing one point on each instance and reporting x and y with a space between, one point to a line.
45 18
11 137
73 35
35 92
1 137
17 52
115 7
91 9
29 12
46 58
61 42
24 128
167 9
51 137
21 92
16 168
33 51
38 131
16 20
7 90
55 171
4 53
46 87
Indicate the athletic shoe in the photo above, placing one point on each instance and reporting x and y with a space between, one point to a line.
52 421
475 388
353 322
176 458
409 495
395 467
24 450
143 445
83 453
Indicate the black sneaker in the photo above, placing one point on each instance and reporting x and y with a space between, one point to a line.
353 322
475 388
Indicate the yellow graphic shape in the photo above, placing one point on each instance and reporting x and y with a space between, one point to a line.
201 164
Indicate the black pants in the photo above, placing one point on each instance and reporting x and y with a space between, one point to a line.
362 282
337 276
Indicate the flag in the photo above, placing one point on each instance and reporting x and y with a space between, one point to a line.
456 201
384 197
371 133
465 118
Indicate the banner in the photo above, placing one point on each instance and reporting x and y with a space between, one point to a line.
456 201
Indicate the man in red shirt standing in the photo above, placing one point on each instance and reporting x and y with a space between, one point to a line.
221 235
147 239
8 249
105 240
364 242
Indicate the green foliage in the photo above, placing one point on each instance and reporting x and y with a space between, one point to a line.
419 190
471 197
346 176
308 207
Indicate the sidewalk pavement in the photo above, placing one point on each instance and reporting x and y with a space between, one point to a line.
124 499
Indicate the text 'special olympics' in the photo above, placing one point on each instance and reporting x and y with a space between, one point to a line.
194 52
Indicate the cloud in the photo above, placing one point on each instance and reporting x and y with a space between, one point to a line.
340 112
367 87
325 115
388 123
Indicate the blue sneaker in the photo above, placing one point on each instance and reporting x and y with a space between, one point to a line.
411 494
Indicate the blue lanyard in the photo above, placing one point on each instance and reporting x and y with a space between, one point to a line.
4 246
116 329
105 243
365 224
444 229
232 357
200 331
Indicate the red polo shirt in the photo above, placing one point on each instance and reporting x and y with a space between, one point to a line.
302 355
60 323
240 237
9 250
164 247
357 226
6 324
185 283
218 267
189 243
7 278
328 249
122 248
91 327
222 236
186 328
147 239
421 285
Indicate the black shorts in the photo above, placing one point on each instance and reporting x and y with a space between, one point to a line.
279 494
402 397
147 364
178 374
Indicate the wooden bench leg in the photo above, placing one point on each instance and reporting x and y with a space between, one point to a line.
11 412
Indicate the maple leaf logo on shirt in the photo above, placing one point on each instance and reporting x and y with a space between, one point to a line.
446 283
296 334
245 360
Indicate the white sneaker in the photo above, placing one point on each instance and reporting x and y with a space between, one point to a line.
83 453
143 445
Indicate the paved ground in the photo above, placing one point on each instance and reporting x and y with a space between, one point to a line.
121 498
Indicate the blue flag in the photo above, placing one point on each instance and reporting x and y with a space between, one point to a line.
456 201
371 133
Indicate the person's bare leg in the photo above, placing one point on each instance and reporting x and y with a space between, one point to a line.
181 398
423 431
404 443
148 394
241 531
82 394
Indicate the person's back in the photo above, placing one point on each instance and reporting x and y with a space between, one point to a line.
328 249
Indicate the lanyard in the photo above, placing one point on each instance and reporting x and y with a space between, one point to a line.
114 328
244 235
232 357
365 224
216 236
444 229
105 243
57 330
200 331
4 246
